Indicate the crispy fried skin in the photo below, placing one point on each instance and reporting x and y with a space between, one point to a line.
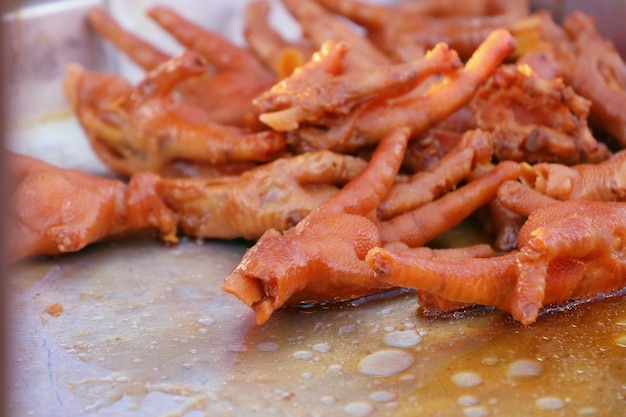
55 210
566 250
146 128
276 195
321 258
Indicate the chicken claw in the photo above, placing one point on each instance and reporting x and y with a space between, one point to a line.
276 195
146 128
322 257
317 90
566 250
55 210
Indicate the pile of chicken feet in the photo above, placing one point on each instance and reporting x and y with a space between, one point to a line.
345 153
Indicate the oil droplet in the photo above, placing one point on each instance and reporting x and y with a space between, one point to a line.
477 411
351 328
621 340
403 338
467 379
268 346
335 368
386 362
587 411
321 347
358 409
328 400
206 321
237 347
549 403
466 400
382 396
524 368
303 354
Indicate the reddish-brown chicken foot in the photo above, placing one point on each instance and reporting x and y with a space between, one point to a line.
419 110
567 250
55 210
319 90
322 257
147 128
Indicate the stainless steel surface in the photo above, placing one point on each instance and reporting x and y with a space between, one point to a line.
136 328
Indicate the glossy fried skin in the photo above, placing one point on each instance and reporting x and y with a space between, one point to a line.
605 181
535 119
322 257
276 195
319 90
55 210
419 110
567 250
147 128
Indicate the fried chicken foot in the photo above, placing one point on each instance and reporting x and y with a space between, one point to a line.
55 210
322 257
418 110
225 90
404 30
535 119
567 250
605 181
474 148
277 54
419 226
144 54
318 89
319 26
596 71
276 195
147 129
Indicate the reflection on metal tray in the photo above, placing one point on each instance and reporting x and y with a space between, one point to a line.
136 328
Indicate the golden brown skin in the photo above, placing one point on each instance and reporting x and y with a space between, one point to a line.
567 250
419 110
147 128
276 195
54 210
320 90
322 257
535 119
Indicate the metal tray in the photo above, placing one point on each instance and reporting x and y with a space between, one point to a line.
136 328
